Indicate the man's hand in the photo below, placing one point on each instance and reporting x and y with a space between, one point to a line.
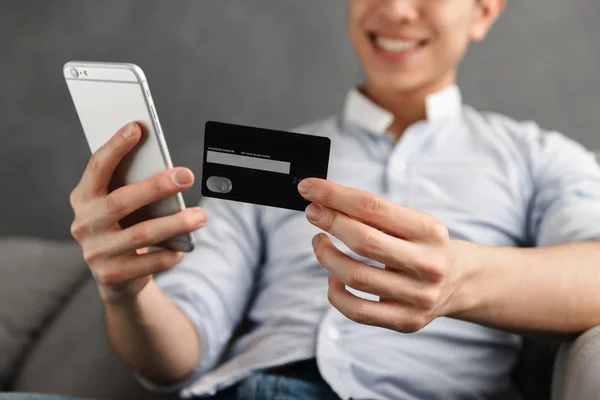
421 274
110 251
548 290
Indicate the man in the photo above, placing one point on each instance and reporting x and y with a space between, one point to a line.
445 200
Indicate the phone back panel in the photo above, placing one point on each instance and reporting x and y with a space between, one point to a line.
107 97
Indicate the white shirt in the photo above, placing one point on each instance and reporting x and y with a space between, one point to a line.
489 179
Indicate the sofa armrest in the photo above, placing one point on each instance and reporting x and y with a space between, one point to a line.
577 368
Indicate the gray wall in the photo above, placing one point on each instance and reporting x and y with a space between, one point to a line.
270 63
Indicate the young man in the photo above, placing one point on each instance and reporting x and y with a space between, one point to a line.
446 200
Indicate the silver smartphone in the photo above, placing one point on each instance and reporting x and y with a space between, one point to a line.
106 97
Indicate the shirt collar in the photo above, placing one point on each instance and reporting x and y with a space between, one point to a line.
361 110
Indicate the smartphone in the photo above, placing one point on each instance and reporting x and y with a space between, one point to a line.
106 97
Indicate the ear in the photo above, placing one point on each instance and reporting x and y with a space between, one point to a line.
485 14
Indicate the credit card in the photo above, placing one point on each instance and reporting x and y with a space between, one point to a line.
261 166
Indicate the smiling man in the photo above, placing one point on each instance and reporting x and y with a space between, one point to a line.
434 209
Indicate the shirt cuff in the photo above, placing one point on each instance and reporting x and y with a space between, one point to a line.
203 366
571 222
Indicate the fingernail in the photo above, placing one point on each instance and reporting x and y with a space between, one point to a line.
305 186
183 177
129 131
316 240
313 211
200 215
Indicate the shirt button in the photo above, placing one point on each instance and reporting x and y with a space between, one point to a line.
333 333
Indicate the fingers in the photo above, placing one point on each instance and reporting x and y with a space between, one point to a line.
124 200
121 270
380 282
374 210
104 161
144 234
387 314
362 239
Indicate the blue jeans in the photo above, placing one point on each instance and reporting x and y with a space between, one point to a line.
261 386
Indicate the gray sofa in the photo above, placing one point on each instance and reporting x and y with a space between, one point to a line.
52 337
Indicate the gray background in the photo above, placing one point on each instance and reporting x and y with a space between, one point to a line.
270 63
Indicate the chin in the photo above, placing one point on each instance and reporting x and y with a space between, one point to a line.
398 82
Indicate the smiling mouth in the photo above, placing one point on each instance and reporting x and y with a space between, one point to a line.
394 45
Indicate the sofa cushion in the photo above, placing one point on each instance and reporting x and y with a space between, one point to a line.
74 356
37 277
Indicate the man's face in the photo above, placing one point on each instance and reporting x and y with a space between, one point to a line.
405 45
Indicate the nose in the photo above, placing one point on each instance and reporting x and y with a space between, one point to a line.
399 10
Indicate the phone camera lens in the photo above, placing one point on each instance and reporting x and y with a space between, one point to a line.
74 72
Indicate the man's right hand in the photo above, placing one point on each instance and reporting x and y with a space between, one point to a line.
110 251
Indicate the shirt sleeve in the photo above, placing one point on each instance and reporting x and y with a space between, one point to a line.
212 284
565 206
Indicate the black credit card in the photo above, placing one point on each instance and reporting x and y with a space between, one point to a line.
261 166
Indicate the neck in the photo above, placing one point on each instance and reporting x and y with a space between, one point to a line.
407 106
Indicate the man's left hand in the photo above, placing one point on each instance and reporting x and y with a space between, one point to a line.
421 274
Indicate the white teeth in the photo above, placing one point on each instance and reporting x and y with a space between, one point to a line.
395 45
